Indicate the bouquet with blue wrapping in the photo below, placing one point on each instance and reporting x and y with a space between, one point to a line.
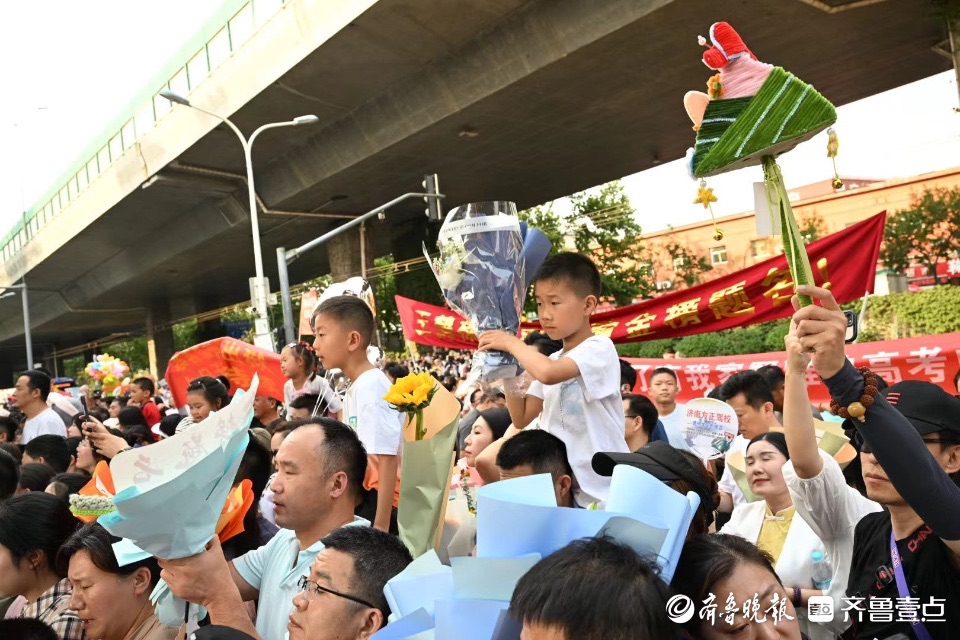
486 259
170 496
518 523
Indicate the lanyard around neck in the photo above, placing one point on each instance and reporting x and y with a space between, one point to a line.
918 628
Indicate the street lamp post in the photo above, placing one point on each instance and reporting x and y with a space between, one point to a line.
260 286
26 317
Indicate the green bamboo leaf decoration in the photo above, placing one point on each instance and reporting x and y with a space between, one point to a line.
793 245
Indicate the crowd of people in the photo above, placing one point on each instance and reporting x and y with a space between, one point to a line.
799 547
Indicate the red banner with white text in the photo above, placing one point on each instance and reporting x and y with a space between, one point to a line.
933 359
845 262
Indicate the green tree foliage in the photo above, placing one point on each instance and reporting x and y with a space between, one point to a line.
384 289
419 284
604 228
546 220
907 315
757 338
926 233
687 266
812 228
184 335
132 351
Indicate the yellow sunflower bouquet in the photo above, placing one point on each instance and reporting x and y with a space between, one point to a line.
429 434
411 395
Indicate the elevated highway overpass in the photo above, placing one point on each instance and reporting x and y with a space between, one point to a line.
526 100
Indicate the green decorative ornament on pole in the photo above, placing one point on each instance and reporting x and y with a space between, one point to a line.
752 113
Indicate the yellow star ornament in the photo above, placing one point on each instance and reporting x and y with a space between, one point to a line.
705 196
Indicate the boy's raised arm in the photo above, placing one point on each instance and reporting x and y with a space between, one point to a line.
539 366
523 409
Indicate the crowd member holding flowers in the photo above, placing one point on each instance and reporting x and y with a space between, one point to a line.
343 326
318 486
576 391
340 596
113 602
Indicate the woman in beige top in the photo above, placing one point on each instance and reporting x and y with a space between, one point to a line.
113 602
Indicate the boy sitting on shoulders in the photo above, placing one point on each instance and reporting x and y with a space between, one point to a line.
576 390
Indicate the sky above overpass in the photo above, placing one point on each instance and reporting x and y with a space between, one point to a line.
75 66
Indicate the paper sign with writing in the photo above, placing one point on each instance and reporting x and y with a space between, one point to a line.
709 427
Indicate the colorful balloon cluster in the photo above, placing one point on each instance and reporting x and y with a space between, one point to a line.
108 371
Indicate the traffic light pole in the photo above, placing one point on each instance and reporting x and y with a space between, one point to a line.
432 197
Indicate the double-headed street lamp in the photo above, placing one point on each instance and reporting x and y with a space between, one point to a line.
260 286
26 315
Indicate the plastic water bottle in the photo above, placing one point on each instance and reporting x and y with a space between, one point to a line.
822 574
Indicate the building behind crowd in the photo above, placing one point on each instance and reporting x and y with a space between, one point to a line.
829 211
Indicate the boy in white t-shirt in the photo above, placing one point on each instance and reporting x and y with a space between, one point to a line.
576 391
664 387
343 327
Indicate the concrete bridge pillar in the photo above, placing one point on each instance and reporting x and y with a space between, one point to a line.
347 252
159 338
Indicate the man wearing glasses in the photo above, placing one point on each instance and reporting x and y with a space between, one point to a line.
317 487
341 599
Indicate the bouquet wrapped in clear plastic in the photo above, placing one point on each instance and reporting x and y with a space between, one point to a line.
486 257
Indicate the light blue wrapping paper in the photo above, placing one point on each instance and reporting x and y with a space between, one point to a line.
170 494
517 523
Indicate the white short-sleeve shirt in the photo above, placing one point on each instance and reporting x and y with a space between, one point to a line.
274 570
672 425
378 425
317 385
45 422
727 483
586 412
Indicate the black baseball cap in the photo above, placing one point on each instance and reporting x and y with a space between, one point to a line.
663 462
928 407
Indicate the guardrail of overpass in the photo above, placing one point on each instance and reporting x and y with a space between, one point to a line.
226 31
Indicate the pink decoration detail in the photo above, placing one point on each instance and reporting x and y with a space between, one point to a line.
743 77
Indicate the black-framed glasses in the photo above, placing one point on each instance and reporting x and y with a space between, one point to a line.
311 590
865 448
630 417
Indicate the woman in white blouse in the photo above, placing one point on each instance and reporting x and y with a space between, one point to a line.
772 525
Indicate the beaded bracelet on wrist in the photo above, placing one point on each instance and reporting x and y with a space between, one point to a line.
858 410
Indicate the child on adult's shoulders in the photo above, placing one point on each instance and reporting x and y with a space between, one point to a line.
576 390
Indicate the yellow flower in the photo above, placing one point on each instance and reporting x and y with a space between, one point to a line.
411 392
397 398
422 394
406 384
